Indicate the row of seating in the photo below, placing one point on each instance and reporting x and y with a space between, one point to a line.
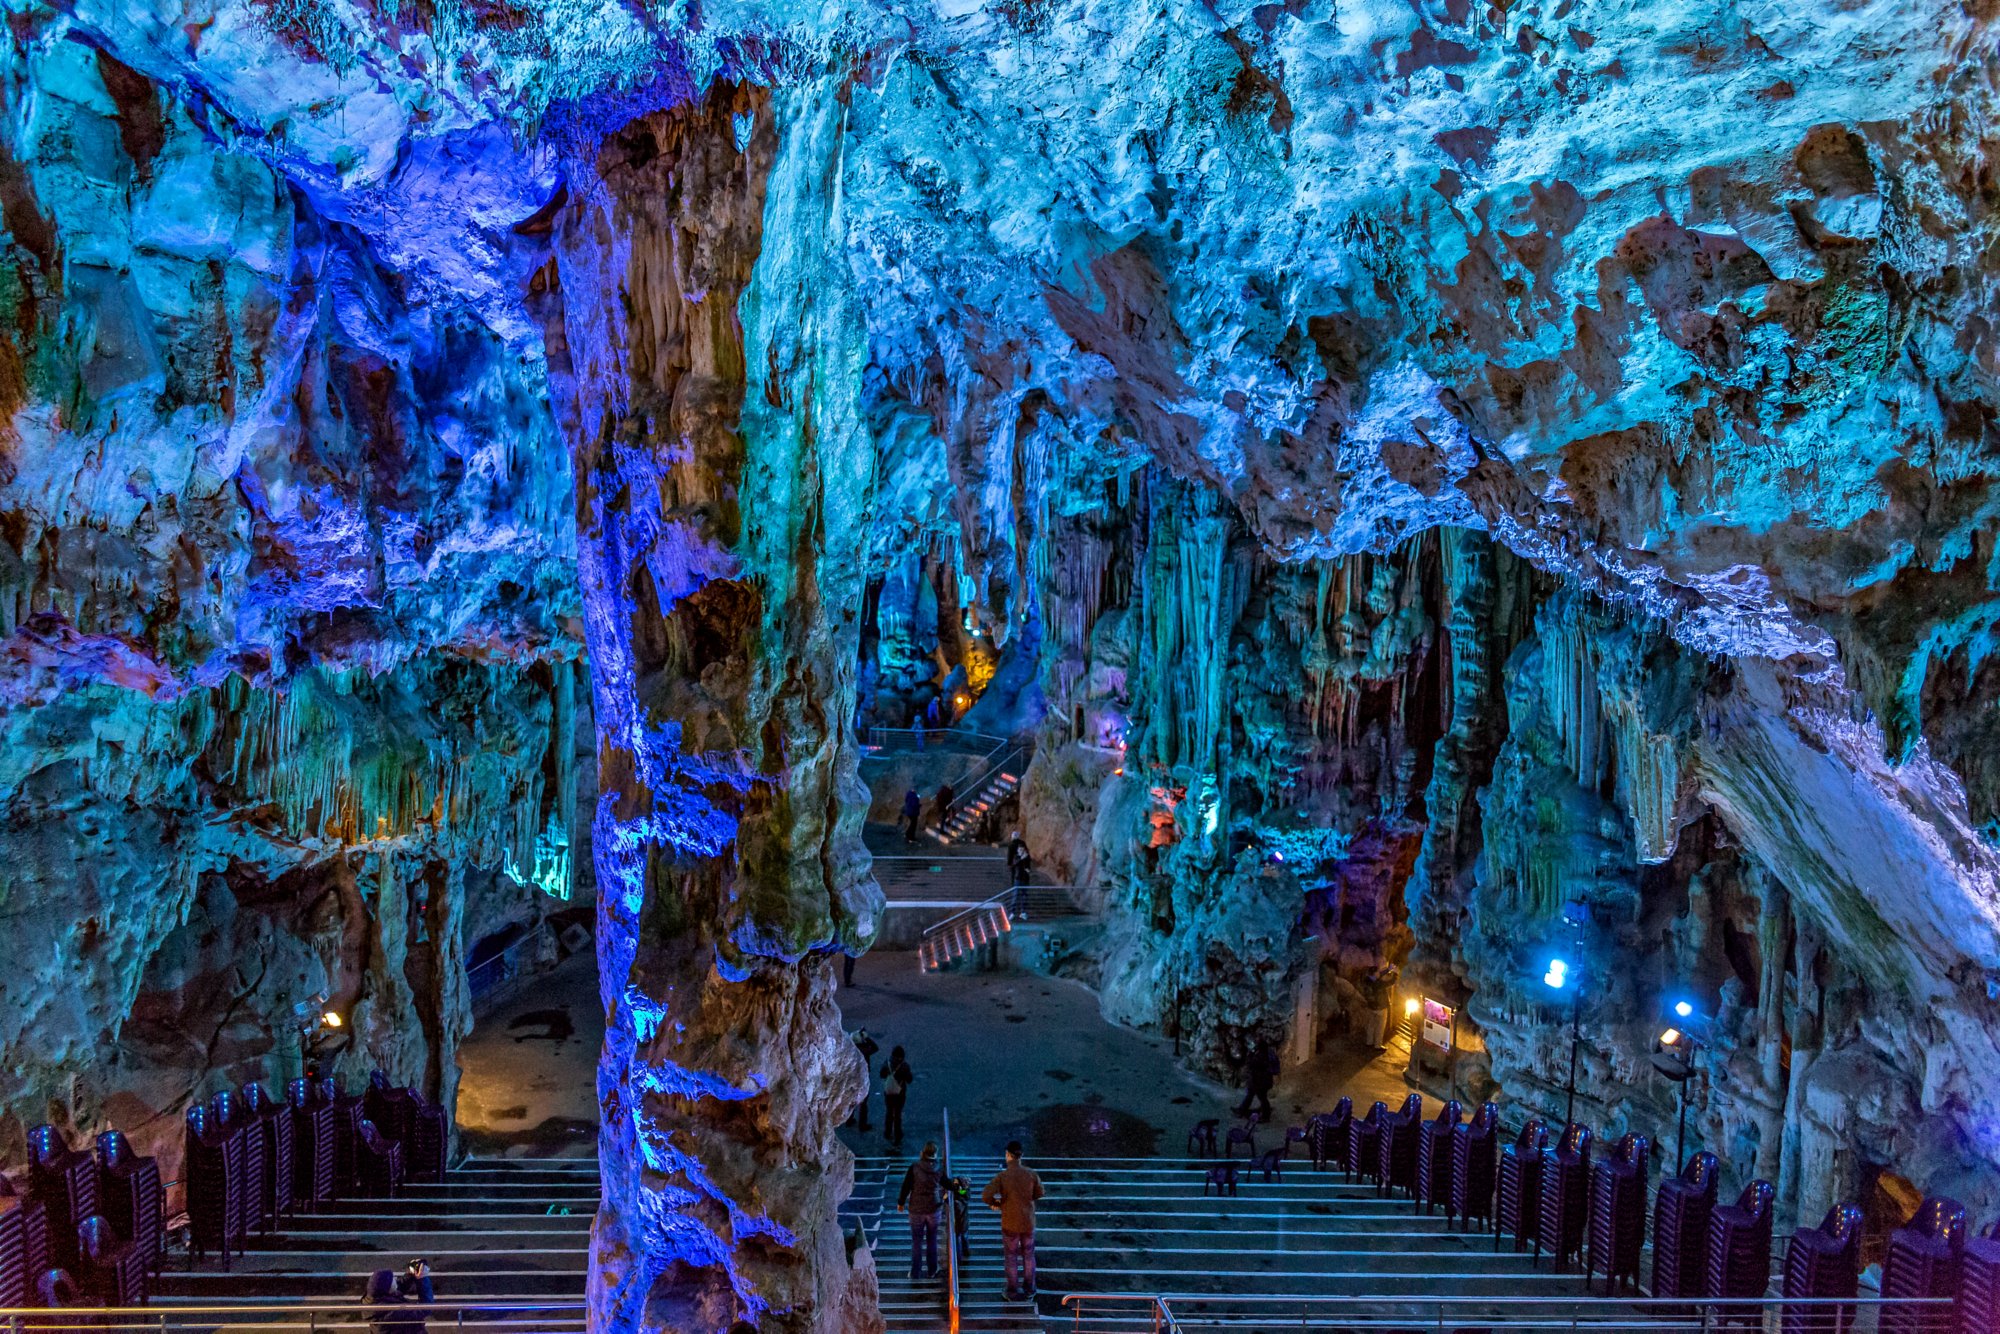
1556 1198
90 1228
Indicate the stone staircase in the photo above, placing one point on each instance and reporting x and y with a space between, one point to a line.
996 784
959 936
1121 1225
496 1230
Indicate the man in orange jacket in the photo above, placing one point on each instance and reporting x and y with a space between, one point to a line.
1013 1191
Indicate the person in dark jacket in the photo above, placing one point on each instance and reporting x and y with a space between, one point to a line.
867 1046
1259 1076
945 797
913 810
922 1197
896 1080
386 1291
1020 864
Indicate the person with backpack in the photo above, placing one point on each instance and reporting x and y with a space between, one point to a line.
896 1080
922 1198
1013 1191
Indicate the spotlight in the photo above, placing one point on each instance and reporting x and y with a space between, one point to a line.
1410 1005
1671 1038
1277 856
1558 975
1683 1009
331 1019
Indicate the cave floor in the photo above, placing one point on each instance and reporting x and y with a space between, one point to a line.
528 1070
1016 1054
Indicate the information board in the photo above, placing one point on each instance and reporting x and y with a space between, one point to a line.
1437 1025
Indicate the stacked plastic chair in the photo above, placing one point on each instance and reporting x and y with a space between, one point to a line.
312 1144
379 1161
65 1181
1565 1196
1739 1252
130 1193
36 1245
270 1125
227 1111
1979 1286
109 1267
1926 1259
1475 1157
55 1290
1519 1183
347 1118
1618 1212
218 1190
1823 1264
1398 1147
1433 1181
392 1109
425 1152
1364 1144
14 1270
1680 1228
1326 1135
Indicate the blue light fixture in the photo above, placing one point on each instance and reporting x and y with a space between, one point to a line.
1683 1008
1558 975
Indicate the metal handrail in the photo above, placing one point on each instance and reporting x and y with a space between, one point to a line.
884 738
997 901
950 1232
316 1316
1678 1314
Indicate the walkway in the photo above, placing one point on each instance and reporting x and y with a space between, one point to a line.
528 1070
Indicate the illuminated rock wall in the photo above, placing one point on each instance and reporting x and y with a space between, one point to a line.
284 579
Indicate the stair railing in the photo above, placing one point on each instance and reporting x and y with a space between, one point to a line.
1016 753
950 1233
1006 901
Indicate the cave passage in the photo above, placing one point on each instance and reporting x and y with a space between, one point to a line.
1372 629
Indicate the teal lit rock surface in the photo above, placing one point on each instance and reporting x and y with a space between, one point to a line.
1409 467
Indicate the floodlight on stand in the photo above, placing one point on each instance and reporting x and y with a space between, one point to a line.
1576 912
1670 1038
1557 977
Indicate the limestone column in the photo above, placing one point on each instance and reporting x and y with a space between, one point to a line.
705 363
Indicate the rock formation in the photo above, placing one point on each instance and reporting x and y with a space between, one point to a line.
1412 466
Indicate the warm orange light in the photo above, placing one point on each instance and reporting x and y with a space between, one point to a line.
1410 1005
330 1019
1670 1038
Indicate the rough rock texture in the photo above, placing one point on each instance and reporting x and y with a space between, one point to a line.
285 617
700 327
1485 455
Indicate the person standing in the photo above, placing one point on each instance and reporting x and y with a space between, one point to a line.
1020 864
945 797
896 1080
922 1198
913 809
867 1046
1013 1191
1259 1076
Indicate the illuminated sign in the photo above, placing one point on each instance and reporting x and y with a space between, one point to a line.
1438 1020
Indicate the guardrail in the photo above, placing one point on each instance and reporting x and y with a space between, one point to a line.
917 740
321 1317
950 1232
492 971
1192 1313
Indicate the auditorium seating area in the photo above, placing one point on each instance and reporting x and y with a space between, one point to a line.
90 1227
